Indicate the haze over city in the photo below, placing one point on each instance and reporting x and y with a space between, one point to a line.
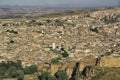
61 3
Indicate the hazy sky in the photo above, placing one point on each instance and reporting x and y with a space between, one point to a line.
60 2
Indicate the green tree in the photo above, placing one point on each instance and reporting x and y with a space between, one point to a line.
3 64
2 72
61 75
46 76
31 69
65 54
51 78
55 61
20 75
12 72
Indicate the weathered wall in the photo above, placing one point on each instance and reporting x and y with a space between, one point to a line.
69 67
53 68
87 62
109 62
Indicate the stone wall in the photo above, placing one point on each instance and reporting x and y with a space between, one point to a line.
71 66
53 68
110 62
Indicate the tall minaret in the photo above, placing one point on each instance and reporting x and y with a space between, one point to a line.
53 46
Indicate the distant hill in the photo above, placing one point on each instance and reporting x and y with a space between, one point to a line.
60 6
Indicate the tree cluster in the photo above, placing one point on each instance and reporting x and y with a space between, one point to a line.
15 70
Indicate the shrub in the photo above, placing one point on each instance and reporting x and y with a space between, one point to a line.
73 48
39 23
58 23
11 41
46 76
65 54
2 72
55 51
12 31
43 76
94 30
8 70
3 64
51 78
61 75
31 69
12 72
5 24
55 61
16 64
20 75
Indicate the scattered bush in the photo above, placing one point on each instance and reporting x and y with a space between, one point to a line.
3 64
110 19
46 76
5 24
58 22
31 69
61 75
94 30
8 70
2 72
20 75
12 31
39 23
55 51
65 54
12 69
12 72
55 61
10 64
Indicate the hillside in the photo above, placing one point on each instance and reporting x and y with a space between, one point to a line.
66 35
